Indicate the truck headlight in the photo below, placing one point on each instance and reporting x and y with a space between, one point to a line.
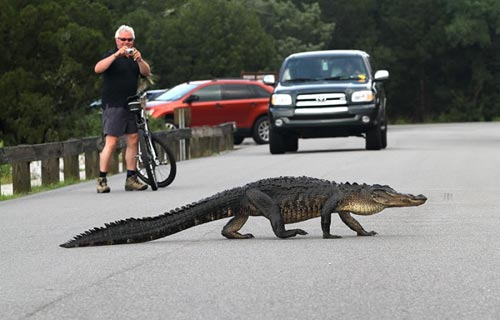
281 99
362 96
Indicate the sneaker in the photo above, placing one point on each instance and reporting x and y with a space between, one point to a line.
102 185
133 184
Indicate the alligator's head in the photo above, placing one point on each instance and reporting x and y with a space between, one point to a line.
367 200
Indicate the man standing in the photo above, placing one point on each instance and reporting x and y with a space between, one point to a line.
121 69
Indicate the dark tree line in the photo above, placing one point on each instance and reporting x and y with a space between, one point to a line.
442 54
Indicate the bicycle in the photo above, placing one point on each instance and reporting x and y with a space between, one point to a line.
156 164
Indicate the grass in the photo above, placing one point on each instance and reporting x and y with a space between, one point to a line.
37 189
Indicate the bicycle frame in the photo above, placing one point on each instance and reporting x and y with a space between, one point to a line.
138 107
153 154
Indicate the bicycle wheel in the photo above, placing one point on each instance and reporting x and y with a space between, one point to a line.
146 163
165 166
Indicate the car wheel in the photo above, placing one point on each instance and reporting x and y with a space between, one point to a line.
374 138
276 142
169 124
261 130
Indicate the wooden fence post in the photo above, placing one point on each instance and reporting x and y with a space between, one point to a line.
50 171
21 181
124 160
71 167
114 164
91 164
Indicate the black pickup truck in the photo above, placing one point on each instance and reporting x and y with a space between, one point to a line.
331 93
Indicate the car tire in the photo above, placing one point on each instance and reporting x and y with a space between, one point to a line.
260 130
237 140
276 142
169 124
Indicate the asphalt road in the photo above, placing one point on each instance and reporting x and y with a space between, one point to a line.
437 261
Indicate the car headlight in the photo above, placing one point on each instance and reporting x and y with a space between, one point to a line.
281 99
362 96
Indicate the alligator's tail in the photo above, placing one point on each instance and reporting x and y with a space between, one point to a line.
219 206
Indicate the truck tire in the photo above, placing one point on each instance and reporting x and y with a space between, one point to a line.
276 142
374 138
291 143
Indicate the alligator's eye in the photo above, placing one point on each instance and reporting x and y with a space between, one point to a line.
381 196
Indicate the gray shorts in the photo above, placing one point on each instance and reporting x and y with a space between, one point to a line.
118 121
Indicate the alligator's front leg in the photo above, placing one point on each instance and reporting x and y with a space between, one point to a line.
354 224
326 221
326 218
269 209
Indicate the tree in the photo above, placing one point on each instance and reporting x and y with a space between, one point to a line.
203 40
440 53
295 28
46 82
473 35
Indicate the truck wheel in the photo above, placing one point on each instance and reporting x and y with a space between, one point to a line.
292 144
261 130
384 135
374 138
276 142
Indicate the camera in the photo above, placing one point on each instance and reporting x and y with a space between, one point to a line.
130 51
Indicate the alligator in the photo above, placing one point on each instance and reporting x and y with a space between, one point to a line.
282 200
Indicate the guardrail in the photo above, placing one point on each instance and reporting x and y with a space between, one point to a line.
198 142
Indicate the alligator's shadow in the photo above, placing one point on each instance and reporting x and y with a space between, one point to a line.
316 238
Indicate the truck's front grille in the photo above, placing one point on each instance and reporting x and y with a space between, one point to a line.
321 100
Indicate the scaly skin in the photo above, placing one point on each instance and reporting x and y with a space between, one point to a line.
282 200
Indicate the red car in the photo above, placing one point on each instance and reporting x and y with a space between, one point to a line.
212 102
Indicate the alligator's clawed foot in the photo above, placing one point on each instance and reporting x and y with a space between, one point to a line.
367 234
300 231
330 236
236 235
291 233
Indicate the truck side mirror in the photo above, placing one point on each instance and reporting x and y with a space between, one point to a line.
381 75
269 79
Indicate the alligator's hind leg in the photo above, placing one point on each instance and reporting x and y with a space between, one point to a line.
355 225
231 229
269 209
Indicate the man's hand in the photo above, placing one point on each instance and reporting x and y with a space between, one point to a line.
121 52
137 55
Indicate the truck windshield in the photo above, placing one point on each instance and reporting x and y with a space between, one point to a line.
324 68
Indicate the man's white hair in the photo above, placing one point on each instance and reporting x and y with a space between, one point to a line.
126 29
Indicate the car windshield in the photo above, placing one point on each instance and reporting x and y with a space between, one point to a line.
177 92
324 68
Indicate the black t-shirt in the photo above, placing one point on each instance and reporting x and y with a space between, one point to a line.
120 81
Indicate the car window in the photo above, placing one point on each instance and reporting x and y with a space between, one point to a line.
236 91
209 93
260 92
176 92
